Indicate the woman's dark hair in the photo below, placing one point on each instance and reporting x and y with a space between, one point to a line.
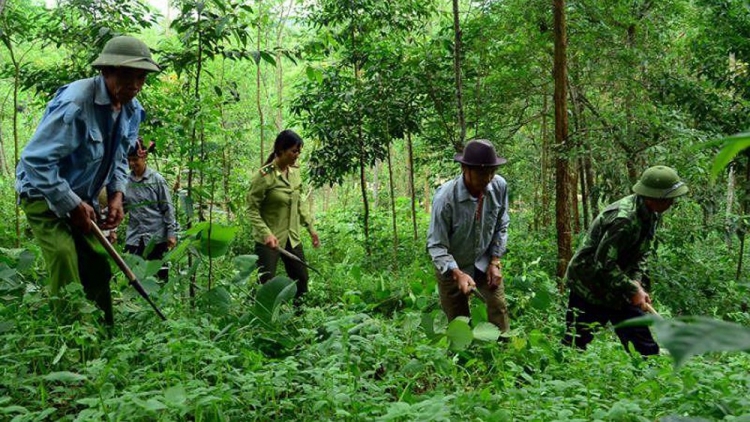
284 140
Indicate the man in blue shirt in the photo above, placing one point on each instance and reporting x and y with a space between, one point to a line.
79 147
468 234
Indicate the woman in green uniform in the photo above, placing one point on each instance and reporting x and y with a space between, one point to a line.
277 212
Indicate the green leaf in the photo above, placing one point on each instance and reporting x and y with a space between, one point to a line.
459 334
542 299
175 395
64 376
218 298
314 74
244 264
213 239
14 409
693 336
733 146
268 58
60 354
486 331
153 404
271 296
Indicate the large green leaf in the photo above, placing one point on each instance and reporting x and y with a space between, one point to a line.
213 240
244 264
459 334
64 376
271 296
486 331
217 299
733 146
692 336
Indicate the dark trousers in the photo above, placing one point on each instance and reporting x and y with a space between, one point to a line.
582 314
156 253
268 259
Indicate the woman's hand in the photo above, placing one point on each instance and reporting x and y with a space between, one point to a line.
315 239
271 241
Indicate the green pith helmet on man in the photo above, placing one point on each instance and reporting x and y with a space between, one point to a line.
126 51
660 182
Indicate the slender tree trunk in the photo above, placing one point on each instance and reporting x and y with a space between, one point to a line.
412 189
191 159
457 71
544 221
16 146
393 210
376 185
584 192
280 67
729 218
258 104
562 188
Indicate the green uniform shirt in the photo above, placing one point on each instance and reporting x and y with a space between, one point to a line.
612 257
276 206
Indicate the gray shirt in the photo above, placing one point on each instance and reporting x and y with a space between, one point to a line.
458 237
150 207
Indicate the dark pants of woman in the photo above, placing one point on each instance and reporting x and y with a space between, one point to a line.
268 259
157 252
582 314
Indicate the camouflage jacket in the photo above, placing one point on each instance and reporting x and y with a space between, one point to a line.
611 259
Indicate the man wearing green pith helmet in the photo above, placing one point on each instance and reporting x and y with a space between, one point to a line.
79 147
605 275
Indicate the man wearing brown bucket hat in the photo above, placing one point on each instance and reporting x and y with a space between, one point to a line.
468 234
79 147
606 273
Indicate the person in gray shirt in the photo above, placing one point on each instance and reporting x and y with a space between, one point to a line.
468 234
152 226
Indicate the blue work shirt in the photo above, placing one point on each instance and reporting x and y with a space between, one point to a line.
79 146
458 237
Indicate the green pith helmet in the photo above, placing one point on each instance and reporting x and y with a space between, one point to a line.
660 182
126 51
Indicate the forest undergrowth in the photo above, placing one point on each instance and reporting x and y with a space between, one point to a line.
371 344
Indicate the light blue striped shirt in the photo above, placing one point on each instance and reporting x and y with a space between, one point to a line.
78 147
456 238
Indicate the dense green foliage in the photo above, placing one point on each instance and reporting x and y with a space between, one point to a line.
650 82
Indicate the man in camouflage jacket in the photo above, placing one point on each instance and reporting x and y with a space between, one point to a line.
605 274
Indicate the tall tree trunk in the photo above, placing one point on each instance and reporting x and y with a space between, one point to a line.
412 189
257 93
593 193
584 192
729 218
393 210
544 219
376 184
427 195
562 188
16 147
457 72
280 66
